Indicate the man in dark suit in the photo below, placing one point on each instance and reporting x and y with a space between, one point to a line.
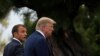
36 44
15 48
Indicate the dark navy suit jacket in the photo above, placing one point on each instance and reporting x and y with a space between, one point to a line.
14 48
36 45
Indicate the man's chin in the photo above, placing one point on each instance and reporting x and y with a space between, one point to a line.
49 36
23 40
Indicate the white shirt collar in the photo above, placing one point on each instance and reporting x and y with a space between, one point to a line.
41 32
17 40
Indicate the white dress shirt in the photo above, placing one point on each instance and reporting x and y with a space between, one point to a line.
17 40
41 33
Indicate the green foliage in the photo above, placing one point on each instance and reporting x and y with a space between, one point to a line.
2 44
5 6
29 25
86 25
4 22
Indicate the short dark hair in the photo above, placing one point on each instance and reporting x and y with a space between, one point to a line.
15 28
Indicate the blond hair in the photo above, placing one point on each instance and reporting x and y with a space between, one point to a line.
43 21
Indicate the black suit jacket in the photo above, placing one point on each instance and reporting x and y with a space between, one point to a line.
14 48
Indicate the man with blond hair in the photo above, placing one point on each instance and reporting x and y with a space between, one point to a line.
36 44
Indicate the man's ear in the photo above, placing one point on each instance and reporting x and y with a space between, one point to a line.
15 33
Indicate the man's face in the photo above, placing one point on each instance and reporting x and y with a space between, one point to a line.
48 29
21 34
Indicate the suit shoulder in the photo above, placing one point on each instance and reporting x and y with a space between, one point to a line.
11 48
12 44
35 38
35 35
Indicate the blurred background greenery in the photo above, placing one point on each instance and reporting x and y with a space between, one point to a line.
80 17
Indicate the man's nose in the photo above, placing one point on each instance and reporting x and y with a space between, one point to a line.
25 33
